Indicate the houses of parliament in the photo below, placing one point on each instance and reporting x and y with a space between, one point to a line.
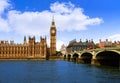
29 49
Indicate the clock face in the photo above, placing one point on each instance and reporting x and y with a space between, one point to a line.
53 31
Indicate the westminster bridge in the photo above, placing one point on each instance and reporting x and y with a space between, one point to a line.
100 56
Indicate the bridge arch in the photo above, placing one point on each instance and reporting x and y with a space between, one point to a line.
75 57
65 56
69 57
108 58
107 50
86 57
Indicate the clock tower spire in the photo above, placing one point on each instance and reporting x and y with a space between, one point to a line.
52 38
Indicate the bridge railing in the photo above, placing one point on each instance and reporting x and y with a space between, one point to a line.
97 49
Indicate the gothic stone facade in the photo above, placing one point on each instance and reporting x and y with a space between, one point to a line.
30 49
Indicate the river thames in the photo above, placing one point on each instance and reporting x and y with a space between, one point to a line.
56 71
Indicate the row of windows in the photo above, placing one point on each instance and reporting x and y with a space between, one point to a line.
17 55
79 48
19 52
1 48
76 48
13 49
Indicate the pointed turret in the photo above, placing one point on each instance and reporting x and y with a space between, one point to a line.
53 22
25 40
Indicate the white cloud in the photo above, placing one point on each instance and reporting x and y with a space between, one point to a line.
3 5
59 44
67 17
62 8
30 23
4 25
115 37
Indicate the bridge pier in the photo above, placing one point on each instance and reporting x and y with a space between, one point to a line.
95 62
119 63
80 60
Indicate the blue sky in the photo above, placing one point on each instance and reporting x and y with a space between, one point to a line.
75 19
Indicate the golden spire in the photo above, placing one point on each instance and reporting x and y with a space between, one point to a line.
25 40
53 23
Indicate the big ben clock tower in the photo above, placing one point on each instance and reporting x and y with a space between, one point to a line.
53 38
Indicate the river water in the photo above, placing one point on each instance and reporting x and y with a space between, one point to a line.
56 71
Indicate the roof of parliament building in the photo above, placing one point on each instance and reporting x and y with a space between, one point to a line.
11 42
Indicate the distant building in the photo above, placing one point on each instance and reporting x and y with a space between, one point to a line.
104 44
63 49
79 46
116 43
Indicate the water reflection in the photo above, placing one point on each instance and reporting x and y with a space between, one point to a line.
56 72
